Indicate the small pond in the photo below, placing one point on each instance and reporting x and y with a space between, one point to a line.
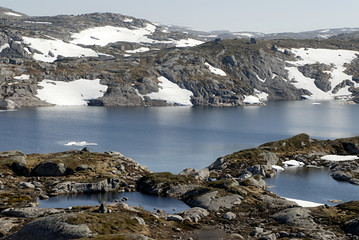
135 199
312 184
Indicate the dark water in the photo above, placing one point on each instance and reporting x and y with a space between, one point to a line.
173 138
312 184
135 199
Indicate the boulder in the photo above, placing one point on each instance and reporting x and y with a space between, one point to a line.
49 169
68 187
295 216
28 212
194 214
51 227
213 202
176 218
229 216
352 226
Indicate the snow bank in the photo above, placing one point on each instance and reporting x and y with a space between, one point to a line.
303 203
51 48
293 163
128 20
171 93
189 42
277 168
108 34
251 100
214 70
70 93
81 144
22 77
3 47
339 158
261 95
335 58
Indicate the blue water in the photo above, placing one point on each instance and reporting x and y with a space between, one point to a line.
173 138
312 184
135 199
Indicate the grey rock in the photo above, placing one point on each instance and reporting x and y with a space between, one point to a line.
295 216
203 174
28 212
103 208
43 197
7 104
27 185
140 221
68 187
194 214
176 218
270 158
213 202
352 226
219 164
229 216
341 175
51 227
7 224
84 167
278 202
256 180
49 169
189 172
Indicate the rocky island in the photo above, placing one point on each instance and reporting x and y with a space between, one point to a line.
227 199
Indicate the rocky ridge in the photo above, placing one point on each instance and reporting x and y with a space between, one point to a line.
217 73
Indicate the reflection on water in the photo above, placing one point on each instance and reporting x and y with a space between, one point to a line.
147 202
312 184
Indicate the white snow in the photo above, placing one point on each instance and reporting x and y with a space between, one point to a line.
70 93
128 20
57 47
293 163
139 50
245 35
261 95
259 78
251 100
108 34
13 14
324 31
33 22
277 168
214 70
6 45
189 42
81 144
22 77
335 58
171 93
339 158
303 203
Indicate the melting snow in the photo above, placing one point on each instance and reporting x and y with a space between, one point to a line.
214 70
171 93
303 203
128 20
335 58
33 22
56 47
3 47
277 168
261 95
251 100
293 163
108 34
22 77
81 144
73 93
339 158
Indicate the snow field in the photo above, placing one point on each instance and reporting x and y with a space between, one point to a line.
339 158
80 144
73 93
293 163
171 93
214 70
56 47
334 58
303 203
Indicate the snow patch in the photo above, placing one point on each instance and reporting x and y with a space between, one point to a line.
128 20
303 203
73 93
139 50
335 58
51 48
171 93
293 163
33 22
13 14
22 77
108 34
251 100
214 70
80 144
277 168
3 47
261 95
189 42
339 158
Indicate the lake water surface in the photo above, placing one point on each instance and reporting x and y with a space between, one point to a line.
173 138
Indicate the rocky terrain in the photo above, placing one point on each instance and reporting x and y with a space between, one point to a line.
138 63
228 199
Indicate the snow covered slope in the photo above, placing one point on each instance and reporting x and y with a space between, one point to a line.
335 60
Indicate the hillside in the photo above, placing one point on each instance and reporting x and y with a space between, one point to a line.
116 60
